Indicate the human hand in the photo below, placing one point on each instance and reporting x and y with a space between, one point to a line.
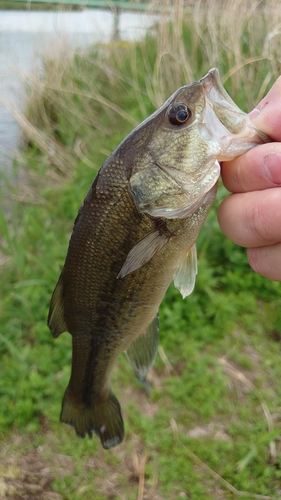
251 216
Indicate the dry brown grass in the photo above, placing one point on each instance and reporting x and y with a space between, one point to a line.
241 38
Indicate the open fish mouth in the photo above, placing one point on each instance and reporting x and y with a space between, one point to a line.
229 124
214 89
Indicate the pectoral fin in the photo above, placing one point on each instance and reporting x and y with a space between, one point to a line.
185 275
142 351
143 251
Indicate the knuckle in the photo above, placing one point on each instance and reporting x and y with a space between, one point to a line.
239 177
259 223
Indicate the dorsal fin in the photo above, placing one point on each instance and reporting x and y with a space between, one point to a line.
56 321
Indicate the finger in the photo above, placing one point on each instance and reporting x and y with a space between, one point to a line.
266 261
267 115
259 168
252 219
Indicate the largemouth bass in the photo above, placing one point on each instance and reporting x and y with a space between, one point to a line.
134 234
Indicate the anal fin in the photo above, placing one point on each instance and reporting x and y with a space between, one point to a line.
143 350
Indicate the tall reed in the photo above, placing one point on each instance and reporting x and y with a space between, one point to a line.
241 38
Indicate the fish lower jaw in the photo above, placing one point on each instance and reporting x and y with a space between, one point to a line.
238 144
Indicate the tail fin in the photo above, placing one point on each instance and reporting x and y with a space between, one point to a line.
104 419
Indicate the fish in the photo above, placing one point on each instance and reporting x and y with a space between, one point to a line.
134 234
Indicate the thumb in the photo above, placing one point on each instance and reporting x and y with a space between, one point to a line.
267 115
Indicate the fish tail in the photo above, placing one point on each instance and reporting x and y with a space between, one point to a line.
104 418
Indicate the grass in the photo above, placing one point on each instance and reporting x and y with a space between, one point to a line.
210 425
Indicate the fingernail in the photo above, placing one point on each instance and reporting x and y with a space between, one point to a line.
253 114
257 111
272 166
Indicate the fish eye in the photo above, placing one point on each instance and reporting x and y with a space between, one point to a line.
179 113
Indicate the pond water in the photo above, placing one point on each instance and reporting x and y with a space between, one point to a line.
25 35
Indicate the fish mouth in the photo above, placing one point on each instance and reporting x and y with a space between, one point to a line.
214 89
226 121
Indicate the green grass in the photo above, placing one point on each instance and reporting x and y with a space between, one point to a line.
210 425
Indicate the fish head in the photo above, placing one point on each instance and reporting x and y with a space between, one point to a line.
178 167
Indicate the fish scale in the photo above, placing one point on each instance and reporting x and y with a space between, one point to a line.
135 232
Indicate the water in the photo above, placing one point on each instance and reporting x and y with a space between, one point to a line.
25 35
